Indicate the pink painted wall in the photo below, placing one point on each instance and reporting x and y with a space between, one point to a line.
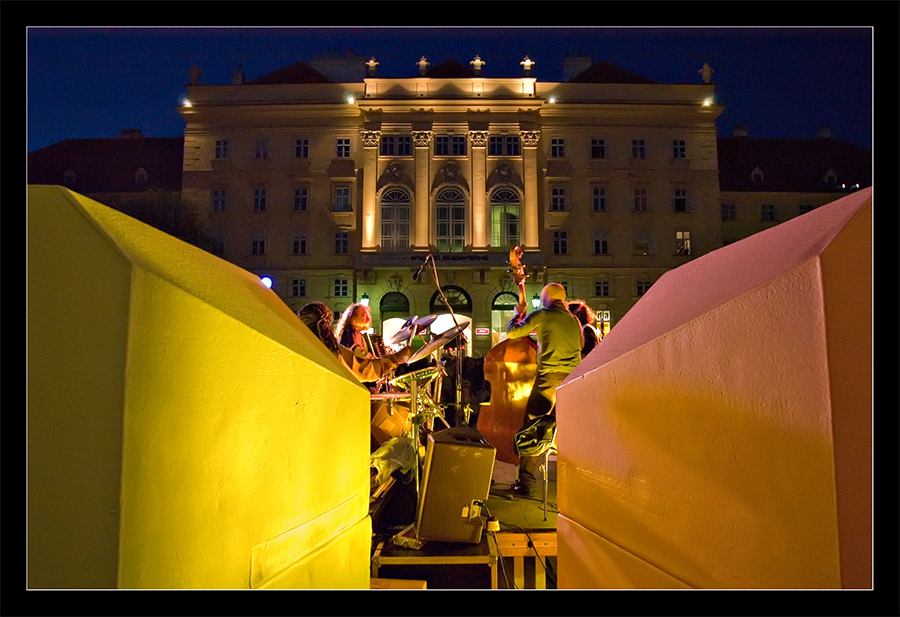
720 436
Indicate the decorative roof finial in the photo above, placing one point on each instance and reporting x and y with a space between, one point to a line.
706 72
423 66
527 63
238 78
477 63
372 64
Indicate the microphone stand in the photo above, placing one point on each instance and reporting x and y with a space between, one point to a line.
459 349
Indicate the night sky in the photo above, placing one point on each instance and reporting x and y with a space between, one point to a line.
778 82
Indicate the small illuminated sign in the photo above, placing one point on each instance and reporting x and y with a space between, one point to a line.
482 331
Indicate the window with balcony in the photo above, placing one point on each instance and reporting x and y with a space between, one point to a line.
395 211
342 202
396 145
505 212
450 220
598 148
558 199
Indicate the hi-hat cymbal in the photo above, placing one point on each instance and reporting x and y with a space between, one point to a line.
437 343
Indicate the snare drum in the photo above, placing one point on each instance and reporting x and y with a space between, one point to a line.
422 375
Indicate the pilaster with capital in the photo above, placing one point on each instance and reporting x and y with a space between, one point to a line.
480 224
370 218
530 229
422 144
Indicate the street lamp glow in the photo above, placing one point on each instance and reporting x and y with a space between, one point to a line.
266 281
707 102
186 103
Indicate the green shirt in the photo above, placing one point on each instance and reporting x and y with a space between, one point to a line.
559 337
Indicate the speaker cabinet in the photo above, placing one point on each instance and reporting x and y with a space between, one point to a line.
456 481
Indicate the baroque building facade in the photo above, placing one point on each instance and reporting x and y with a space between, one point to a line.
339 191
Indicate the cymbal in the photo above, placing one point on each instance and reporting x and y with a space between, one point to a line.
384 396
424 322
406 332
437 343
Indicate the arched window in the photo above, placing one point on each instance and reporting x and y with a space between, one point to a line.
395 220
140 176
504 218
502 310
458 298
394 304
450 221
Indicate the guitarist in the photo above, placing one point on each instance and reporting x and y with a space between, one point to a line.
559 340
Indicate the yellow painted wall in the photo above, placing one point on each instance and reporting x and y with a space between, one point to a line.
185 429
734 450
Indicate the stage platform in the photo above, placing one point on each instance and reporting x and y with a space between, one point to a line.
521 555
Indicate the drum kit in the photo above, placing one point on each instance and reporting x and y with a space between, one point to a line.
409 403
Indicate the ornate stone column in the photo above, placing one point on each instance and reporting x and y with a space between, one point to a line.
370 215
421 235
480 222
530 230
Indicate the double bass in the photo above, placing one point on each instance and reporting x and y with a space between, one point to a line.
510 367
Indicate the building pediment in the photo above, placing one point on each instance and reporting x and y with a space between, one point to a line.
504 173
451 174
395 173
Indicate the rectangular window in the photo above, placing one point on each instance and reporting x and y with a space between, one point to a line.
342 148
221 150
601 289
298 288
679 149
301 148
301 199
803 209
458 145
557 148
601 244
396 145
218 198
341 243
218 244
643 287
598 149
342 199
682 243
341 288
638 150
640 200
557 198
560 243
298 244
767 212
729 212
680 200
503 145
258 244
640 244
598 198
262 148
450 145
260 196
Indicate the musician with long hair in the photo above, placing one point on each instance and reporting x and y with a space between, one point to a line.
351 327
318 317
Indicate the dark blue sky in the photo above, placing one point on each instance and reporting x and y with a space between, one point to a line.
779 82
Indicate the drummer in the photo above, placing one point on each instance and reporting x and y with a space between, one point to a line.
318 317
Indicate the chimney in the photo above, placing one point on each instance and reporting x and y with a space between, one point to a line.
573 65
739 130
130 134
824 133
